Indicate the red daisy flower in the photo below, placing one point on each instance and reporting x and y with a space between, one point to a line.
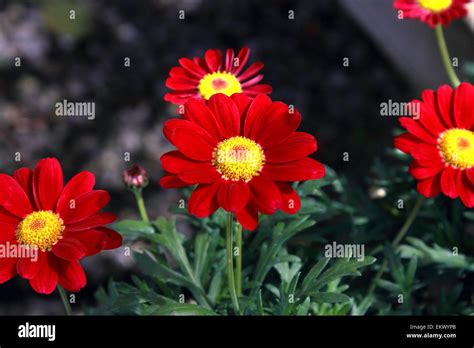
441 141
204 77
432 12
243 155
62 224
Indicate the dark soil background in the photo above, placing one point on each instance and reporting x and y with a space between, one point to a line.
82 60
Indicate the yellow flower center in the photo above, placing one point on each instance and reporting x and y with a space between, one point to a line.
40 229
238 158
435 5
219 82
457 147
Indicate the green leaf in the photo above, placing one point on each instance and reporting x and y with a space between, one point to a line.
134 229
303 308
329 297
341 268
314 273
182 309
437 255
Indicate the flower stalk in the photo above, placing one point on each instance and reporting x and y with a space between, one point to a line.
230 263
398 238
445 57
66 304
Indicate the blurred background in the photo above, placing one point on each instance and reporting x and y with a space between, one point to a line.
82 59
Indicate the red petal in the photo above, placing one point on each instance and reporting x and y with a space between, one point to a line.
213 59
258 107
443 97
448 182
47 183
190 139
266 195
28 268
7 269
192 172
69 249
229 59
24 176
429 117
406 142
248 217
242 58
463 106
296 146
299 170
226 113
233 196
181 83
257 89
192 68
203 200
196 111
465 189
414 127
252 81
275 125
13 198
419 172
251 71
242 102
183 73
426 155
94 221
92 240
290 201
86 205
8 225
430 187
47 278
113 240
71 275
172 181
81 183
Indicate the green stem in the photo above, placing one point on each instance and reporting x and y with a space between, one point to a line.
443 48
230 264
141 204
398 238
238 272
66 304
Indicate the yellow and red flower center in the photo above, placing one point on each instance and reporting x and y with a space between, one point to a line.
457 147
41 229
435 5
219 82
238 158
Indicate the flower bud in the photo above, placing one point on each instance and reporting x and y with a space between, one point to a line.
135 177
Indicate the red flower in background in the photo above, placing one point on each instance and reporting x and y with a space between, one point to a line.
63 224
204 77
432 12
441 142
243 154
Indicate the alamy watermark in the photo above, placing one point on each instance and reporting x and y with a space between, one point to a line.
75 109
400 109
9 250
335 250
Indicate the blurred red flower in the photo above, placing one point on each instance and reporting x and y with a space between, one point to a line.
441 142
432 12
63 224
242 153
204 77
